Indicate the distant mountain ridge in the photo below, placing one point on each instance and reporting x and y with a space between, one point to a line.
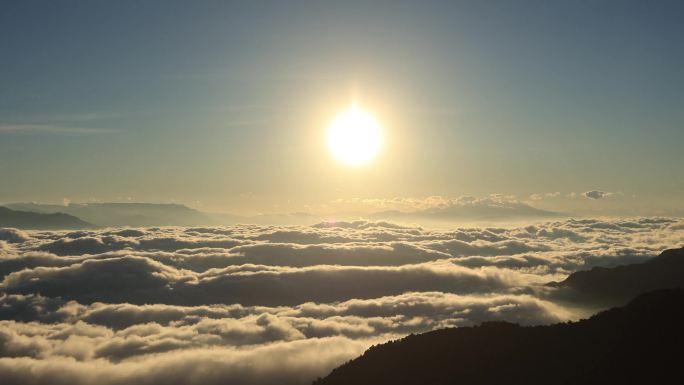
126 214
637 343
171 214
27 220
156 214
478 210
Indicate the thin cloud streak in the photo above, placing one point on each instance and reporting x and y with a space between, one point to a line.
51 129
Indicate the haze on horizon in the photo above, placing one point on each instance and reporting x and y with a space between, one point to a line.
223 106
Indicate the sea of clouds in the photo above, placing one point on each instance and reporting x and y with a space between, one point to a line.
251 304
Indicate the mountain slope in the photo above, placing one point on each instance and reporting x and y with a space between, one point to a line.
634 344
39 221
614 286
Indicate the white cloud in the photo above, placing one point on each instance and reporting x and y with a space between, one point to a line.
13 235
268 304
296 362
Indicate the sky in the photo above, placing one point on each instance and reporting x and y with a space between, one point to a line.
513 140
223 105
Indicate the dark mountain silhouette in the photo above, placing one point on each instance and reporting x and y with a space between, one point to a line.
637 344
602 286
37 221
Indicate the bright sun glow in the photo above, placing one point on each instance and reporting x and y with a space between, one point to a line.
354 137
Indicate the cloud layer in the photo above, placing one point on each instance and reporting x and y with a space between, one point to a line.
277 305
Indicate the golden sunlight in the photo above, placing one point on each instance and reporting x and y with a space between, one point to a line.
354 137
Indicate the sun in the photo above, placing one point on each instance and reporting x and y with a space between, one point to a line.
354 137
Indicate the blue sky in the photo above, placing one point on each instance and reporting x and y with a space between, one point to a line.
222 105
